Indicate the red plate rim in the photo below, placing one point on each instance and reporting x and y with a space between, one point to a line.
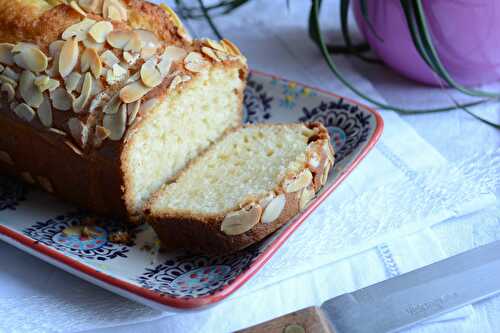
191 303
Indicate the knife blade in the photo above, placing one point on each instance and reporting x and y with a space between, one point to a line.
402 301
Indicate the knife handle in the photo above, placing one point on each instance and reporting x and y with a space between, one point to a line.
308 320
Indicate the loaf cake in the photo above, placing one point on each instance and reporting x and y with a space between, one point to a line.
242 188
104 101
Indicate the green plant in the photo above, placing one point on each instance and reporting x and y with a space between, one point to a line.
417 25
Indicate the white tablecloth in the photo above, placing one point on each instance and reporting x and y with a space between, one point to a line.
275 40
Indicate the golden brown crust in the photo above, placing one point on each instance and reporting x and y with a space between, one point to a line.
203 233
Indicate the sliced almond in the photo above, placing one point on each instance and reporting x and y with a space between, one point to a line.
116 123
134 44
80 103
90 43
55 48
326 171
6 56
239 222
100 31
44 85
297 183
147 53
72 81
61 99
176 21
328 151
306 197
108 58
99 100
210 53
45 184
214 45
178 79
149 105
41 80
30 57
132 111
74 5
101 134
131 58
133 92
68 57
195 62
266 200
91 6
114 10
2 67
164 66
8 91
25 112
113 105
9 72
119 38
26 176
148 39
6 79
44 112
5 157
74 148
57 131
79 131
174 53
150 76
28 91
274 209
230 47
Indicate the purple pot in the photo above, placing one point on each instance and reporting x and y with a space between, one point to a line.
466 34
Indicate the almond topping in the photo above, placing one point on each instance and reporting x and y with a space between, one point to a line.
9 72
114 14
99 100
132 111
79 131
150 76
30 57
230 47
46 84
57 131
109 58
91 6
80 103
147 53
148 38
25 112
8 90
101 134
119 39
77 8
134 44
6 79
210 53
195 62
6 56
113 105
306 197
134 91
61 99
214 45
68 57
114 10
100 31
239 222
274 209
326 171
5 157
74 148
164 66
130 58
44 112
116 123
72 81
28 91
300 181
174 53
90 43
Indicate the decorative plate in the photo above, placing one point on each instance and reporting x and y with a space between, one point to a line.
41 225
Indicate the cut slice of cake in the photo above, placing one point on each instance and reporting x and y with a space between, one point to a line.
242 188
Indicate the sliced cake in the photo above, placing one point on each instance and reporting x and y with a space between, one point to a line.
242 188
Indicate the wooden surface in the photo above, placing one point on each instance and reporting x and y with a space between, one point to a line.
308 320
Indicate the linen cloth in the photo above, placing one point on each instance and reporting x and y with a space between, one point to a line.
307 270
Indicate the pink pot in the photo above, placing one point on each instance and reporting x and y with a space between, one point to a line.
466 34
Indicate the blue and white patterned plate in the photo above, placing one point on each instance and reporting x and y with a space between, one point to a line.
43 226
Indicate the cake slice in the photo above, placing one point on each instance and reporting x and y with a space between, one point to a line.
242 188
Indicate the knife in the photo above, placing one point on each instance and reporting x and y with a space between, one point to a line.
402 301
